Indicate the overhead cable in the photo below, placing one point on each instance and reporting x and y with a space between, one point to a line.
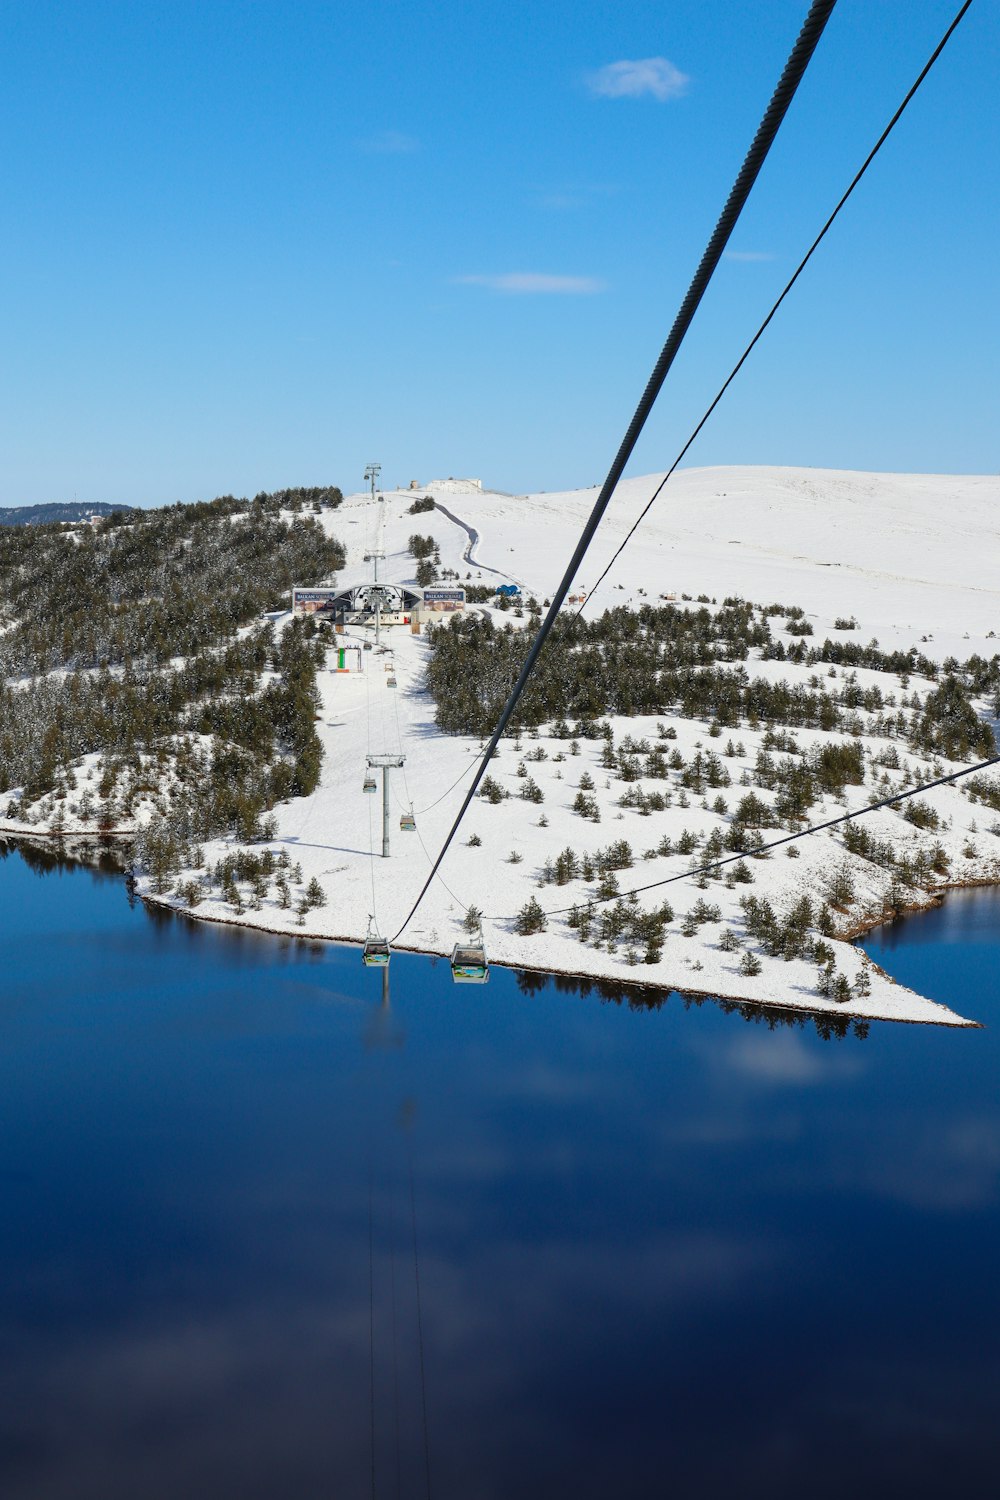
762 329
788 287
792 74
788 838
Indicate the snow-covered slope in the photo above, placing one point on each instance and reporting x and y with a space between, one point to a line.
908 554
911 558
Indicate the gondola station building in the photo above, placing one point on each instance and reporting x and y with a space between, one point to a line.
394 603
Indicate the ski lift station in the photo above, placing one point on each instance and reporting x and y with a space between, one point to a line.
393 603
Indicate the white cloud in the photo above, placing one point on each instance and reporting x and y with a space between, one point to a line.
522 283
575 196
391 143
747 255
632 79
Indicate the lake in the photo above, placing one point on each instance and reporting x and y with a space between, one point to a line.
659 1250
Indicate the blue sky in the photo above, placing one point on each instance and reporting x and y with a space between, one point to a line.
250 245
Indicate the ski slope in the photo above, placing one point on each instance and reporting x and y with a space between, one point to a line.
911 557
908 554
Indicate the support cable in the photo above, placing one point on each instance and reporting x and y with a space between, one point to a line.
368 702
791 77
789 838
431 805
371 859
788 287
407 806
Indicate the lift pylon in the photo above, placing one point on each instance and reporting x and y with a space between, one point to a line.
385 763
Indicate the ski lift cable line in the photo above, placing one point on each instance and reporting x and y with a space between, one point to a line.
371 859
408 807
756 338
792 75
788 838
458 779
371 826
788 287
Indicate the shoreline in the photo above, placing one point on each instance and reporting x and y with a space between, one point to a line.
107 841
742 946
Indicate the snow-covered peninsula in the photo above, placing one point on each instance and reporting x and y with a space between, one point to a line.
574 821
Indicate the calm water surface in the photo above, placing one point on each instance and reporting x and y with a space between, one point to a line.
660 1251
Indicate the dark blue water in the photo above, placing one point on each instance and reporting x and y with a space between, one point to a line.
660 1251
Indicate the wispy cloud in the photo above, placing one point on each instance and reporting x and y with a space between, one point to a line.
391 143
522 283
747 255
575 195
633 79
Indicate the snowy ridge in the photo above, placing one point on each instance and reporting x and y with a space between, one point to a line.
911 558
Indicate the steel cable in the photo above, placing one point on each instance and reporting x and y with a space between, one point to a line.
792 74
789 838
408 806
788 287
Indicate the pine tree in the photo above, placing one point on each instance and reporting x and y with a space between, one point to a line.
530 919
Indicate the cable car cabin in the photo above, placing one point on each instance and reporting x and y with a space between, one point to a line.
390 682
369 785
408 823
375 953
468 964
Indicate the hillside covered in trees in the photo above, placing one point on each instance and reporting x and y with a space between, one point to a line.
142 640
692 662
633 824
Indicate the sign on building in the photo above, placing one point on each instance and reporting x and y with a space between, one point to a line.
309 601
442 600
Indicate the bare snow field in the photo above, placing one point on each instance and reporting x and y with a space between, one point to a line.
913 558
909 554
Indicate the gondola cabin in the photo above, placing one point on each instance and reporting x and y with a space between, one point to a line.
468 964
408 823
390 682
369 785
375 953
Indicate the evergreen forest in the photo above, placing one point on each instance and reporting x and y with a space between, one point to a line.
144 637
693 663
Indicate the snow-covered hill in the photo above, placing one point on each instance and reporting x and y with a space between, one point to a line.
911 559
908 554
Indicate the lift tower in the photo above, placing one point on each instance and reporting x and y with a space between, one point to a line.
377 554
384 763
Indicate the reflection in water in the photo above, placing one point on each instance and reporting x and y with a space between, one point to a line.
45 856
828 1027
658 1249
382 1032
